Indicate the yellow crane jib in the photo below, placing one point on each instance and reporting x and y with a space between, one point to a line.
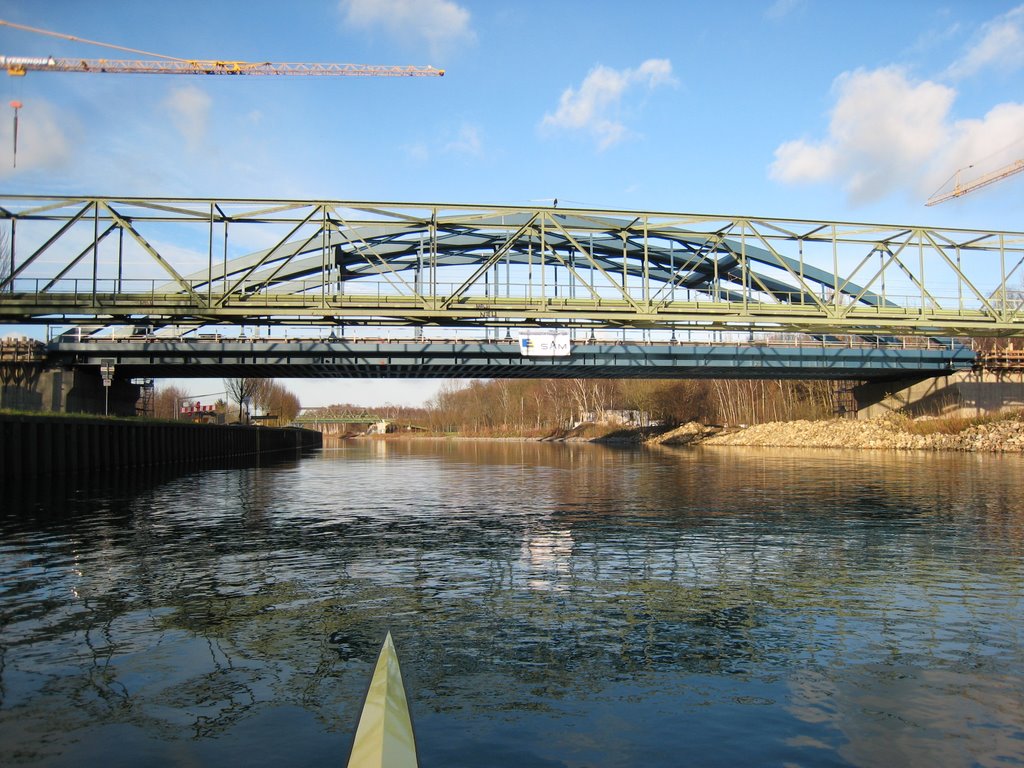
159 64
20 65
959 190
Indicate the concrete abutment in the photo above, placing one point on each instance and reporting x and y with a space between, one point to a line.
963 393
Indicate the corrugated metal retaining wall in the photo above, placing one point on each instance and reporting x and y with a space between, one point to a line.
40 446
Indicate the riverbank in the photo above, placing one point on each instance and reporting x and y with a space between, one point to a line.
1003 435
996 434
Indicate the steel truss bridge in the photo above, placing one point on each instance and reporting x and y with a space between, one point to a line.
161 287
156 262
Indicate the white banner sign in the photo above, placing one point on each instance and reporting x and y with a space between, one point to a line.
541 344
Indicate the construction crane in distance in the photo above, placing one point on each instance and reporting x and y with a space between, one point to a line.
959 190
169 65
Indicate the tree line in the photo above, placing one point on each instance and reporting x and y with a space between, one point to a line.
539 407
265 395
543 406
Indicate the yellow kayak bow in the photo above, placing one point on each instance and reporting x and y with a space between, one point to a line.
384 736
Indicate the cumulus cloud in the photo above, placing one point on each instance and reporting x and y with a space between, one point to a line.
594 107
189 111
441 23
42 141
888 133
1000 44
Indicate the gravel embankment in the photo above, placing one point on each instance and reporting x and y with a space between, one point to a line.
885 433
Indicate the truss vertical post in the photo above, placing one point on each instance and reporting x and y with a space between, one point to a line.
959 281
95 247
625 270
10 277
835 268
120 259
529 269
718 286
647 269
209 262
543 251
803 292
1003 314
744 268
920 267
324 274
224 273
432 233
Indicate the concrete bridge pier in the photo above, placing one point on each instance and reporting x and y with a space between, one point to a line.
962 393
30 386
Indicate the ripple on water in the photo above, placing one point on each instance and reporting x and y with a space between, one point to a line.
553 605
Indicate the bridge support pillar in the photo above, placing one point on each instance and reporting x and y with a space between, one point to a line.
33 387
963 394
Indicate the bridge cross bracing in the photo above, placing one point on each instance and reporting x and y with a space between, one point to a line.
189 263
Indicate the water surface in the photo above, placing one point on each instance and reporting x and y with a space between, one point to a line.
553 605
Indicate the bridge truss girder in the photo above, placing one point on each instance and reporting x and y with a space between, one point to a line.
152 262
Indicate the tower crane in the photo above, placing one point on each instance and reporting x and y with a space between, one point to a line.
169 65
159 64
959 190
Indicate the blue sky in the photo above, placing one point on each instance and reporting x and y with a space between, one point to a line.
794 108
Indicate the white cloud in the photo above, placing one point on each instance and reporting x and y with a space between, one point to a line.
594 107
1000 45
441 23
885 129
466 142
42 141
189 109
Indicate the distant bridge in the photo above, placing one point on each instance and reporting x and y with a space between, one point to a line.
156 262
805 358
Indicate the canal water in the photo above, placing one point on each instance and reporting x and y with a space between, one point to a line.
553 605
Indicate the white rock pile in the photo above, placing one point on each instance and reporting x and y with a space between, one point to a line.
1006 435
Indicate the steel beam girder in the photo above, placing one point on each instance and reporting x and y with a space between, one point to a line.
497 359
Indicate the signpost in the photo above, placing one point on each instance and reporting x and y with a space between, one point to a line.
107 372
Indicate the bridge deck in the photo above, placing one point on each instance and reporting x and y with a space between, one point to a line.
492 359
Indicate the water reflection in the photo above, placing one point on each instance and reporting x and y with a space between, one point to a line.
554 605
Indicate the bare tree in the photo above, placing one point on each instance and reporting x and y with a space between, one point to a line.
276 400
242 391
168 402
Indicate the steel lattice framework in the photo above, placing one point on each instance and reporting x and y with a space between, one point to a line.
160 261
